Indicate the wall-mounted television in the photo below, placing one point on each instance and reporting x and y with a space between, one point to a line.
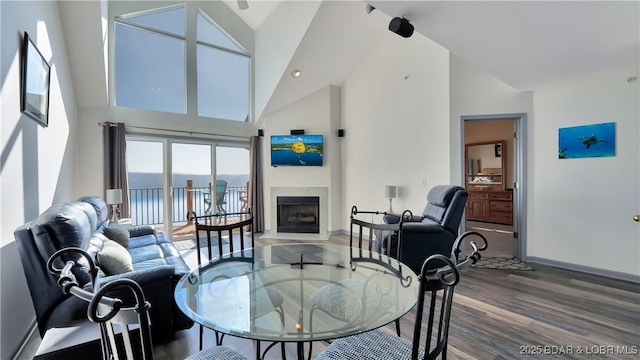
296 150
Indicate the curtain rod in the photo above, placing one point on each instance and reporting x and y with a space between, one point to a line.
169 130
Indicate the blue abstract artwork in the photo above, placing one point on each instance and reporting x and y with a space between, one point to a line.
597 140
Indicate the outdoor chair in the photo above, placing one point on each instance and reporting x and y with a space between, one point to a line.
120 302
221 194
438 277
243 196
221 234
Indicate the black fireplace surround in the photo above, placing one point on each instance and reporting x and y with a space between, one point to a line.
298 214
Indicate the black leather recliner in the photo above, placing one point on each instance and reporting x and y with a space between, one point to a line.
157 265
435 230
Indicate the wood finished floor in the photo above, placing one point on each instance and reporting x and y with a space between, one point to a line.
502 314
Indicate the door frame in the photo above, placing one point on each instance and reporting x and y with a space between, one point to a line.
519 163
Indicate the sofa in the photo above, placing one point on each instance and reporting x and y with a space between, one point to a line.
147 256
433 232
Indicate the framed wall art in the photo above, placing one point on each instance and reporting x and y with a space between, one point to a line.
596 140
35 83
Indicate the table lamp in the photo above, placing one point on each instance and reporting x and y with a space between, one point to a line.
114 198
390 193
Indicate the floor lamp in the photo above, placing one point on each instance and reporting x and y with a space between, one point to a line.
390 193
114 198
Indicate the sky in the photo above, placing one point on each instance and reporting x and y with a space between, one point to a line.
146 156
150 74
151 68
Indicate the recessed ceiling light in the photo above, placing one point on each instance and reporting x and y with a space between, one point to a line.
296 73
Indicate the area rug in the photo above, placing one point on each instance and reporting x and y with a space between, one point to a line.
502 263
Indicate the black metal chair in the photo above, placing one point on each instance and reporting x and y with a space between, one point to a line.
438 276
128 311
211 232
345 300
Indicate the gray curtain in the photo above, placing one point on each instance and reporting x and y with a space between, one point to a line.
115 163
256 192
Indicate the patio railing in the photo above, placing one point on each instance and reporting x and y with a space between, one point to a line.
147 205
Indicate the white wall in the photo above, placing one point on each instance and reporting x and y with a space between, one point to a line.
316 115
277 39
475 92
581 209
38 165
578 211
395 111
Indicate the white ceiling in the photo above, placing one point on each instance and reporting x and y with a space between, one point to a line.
529 45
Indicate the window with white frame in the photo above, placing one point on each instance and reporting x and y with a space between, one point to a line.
150 51
150 65
223 73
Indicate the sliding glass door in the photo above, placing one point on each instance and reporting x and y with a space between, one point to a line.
145 169
205 177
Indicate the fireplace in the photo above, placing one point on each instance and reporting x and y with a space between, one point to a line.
298 214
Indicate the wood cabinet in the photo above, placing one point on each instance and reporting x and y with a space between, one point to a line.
494 206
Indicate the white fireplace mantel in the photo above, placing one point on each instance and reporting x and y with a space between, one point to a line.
320 192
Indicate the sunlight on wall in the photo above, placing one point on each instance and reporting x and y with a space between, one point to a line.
53 140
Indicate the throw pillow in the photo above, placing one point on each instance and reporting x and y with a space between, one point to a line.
113 258
117 233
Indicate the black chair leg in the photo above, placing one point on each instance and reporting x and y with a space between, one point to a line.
398 327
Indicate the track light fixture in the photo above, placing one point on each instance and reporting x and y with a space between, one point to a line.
401 26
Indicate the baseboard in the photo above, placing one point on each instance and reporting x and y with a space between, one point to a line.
24 339
585 269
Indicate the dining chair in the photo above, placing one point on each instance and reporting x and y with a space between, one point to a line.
349 299
127 313
438 276
221 234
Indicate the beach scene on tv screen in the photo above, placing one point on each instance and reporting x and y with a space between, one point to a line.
296 150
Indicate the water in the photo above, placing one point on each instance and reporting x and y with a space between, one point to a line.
289 157
596 140
147 205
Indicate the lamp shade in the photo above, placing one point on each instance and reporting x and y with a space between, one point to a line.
114 196
390 192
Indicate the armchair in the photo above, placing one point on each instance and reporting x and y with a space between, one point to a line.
434 231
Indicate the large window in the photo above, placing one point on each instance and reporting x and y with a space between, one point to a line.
223 74
150 61
150 65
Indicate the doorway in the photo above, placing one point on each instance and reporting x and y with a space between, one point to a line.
495 181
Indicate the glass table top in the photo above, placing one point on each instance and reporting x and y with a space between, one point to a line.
297 292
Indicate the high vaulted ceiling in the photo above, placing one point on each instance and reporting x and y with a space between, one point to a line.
529 45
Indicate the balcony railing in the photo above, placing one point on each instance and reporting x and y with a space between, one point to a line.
147 205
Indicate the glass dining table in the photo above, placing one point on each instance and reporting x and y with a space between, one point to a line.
324 292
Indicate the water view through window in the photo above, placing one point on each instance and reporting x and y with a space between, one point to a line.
192 162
